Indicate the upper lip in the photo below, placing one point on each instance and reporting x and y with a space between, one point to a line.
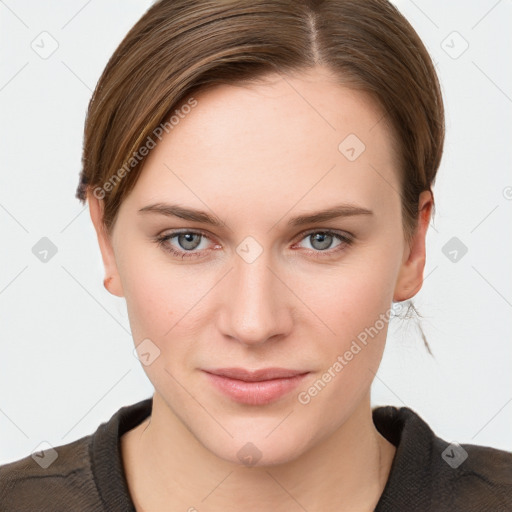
256 375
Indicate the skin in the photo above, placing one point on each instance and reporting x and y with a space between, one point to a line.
256 156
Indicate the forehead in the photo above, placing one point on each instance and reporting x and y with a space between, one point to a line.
280 139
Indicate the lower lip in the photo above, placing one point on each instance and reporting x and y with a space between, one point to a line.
255 393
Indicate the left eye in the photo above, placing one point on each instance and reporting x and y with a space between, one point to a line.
321 240
189 241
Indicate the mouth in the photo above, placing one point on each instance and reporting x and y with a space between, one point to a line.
255 387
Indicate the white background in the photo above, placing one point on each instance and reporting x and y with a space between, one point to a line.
66 360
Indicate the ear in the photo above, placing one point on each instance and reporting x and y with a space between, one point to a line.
96 207
410 276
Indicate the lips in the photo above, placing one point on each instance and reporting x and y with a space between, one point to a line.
255 387
256 375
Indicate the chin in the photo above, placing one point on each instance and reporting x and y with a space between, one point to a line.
259 450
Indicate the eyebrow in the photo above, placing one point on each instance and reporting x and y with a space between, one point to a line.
191 214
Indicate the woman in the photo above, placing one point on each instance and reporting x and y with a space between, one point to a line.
259 175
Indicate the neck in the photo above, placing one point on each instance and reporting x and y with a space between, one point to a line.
166 465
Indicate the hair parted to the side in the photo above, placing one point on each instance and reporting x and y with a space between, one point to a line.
180 47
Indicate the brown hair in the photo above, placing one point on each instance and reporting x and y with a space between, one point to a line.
179 47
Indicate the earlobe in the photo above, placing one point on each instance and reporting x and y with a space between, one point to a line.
410 277
112 281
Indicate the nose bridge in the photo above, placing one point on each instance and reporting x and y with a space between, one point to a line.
253 306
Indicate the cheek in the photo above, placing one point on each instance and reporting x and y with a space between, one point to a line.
353 296
158 293
157 312
151 305
165 304
154 303
355 305
359 316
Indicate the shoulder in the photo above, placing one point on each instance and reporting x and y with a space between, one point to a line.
86 474
57 478
480 476
431 473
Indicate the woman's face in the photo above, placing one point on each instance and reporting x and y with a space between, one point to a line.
263 288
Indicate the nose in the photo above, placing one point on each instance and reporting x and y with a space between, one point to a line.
255 303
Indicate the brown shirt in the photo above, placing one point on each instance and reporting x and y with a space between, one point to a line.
427 474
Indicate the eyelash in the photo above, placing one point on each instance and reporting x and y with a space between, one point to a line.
346 239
